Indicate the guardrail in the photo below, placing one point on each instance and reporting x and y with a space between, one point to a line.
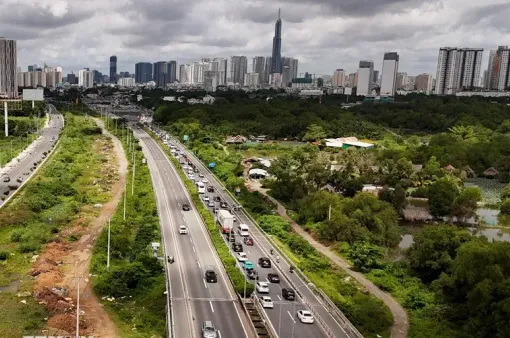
260 310
342 320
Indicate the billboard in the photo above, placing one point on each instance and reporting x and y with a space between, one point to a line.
33 94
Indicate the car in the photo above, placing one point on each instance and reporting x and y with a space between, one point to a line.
262 287
305 316
210 276
224 205
242 257
191 177
20 179
215 210
183 230
247 265
200 175
267 302
264 262
237 247
248 241
210 204
210 189
288 294
273 277
205 180
208 330
186 207
231 236
252 274
7 179
217 199
206 198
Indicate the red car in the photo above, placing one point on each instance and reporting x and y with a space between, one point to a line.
248 241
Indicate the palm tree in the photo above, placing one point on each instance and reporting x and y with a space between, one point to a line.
464 132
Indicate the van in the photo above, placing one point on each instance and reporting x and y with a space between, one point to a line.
242 230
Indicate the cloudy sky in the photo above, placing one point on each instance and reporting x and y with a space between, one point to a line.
322 34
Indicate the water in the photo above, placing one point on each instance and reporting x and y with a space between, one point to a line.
489 217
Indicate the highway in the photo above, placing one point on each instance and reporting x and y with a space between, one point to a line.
283 316
21 169
193 301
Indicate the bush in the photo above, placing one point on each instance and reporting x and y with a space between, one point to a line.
505 206
420 192
16 236
3 255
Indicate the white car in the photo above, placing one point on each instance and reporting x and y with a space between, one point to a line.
305 316
183 230
262 287
267 302
204 180
191 177
242 257
206 198
200 175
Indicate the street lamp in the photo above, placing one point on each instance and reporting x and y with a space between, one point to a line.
294 311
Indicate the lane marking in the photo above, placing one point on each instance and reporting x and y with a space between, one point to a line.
198 262
193 247
219 333
279 298
212 309
292 318
205 284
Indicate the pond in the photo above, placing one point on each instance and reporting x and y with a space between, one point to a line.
488 217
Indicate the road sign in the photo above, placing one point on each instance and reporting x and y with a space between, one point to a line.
33 94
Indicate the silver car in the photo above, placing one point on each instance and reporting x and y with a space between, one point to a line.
208 330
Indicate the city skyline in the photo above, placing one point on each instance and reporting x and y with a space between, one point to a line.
413 30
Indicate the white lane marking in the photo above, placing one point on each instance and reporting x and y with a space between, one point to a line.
212 309
267 280
292 318
179 204
205 284
279 298
198 262
193 249
219 333
191 240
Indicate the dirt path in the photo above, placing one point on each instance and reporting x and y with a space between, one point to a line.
75 257
400 325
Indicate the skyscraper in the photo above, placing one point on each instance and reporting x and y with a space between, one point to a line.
161 73
267 69
338 78
85 78
172 71
8 68
458 69
423 83
220 65
499 69
289 71
389 73
257 66
143 72
365 77
238 67
113 69
376 76
277 47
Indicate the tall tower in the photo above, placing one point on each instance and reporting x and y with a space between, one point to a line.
8 68
113 69
277 47
389 74
458 69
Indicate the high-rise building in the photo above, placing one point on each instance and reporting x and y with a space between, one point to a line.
172 71
85 78
423 83
353 80
376 77
143 72
123 75
289 71
161 73
487 77
238 67
113 69
220 65
32 68
277 47
251 80
126 82
257 66
211 79
97 76
72 79
389 74
8 68
338 78
401 80
499 69
458 69
365 77
53 78
267 69
182 74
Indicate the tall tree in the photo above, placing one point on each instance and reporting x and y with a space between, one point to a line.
442 194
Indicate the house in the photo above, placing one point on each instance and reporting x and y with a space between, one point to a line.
347 142
491 173
238 139
450 168
258 173
373 189
470 173
261 138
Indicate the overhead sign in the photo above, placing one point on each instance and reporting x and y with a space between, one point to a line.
186 137
33 94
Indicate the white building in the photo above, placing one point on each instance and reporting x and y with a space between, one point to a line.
251 79
275 80
85 78
389 74
338 79
211 80
53 78
8 68
499 68
365 76
458 69
126 82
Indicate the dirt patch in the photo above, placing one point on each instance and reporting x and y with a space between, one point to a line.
59 266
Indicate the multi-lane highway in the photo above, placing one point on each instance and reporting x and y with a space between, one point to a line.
22 169
192 299
283 316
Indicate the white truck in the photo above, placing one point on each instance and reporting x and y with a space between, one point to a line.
226 221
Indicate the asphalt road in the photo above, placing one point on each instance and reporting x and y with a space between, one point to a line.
50 136
283 316
193 301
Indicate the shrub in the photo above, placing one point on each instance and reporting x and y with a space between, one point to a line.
3 255
16 236
420 192
505 206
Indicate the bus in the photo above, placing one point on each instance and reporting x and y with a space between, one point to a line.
201 188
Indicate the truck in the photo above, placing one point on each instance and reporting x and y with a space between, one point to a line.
182 160
226 221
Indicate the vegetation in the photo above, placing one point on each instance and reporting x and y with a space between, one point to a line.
135 278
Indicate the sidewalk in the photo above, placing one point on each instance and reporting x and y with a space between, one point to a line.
400 322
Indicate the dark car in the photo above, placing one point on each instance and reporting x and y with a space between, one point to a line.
237 247
217 199
231 237
7 179
224 205
186 207
210 189
288 294
264 262
273 277
210 276
19 180
248 241
252 274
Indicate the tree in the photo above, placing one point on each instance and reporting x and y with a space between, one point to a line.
366 256
396 197
464 132
464 206
314 133
442 195
434 250
432 169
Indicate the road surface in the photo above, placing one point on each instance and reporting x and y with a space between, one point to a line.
193 301
21 169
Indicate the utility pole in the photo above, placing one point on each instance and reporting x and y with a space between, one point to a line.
329 213
133 182
125 204
78 310
108 255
